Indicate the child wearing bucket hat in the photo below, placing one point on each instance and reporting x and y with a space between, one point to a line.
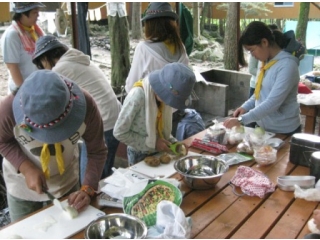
39 132
18 42
145 120
163 44
50 53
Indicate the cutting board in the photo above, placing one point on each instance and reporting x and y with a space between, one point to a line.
63 228
163 169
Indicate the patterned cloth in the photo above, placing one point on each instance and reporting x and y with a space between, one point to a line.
252 182
28 37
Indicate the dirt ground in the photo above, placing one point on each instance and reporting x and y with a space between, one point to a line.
103 59
99 56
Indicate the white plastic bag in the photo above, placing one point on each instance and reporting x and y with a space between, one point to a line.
312 226
171 222
311 194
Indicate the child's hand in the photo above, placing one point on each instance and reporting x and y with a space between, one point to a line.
162 145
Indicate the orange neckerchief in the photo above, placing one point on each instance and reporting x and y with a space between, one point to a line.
31 31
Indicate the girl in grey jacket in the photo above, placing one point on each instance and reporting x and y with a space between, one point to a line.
274 104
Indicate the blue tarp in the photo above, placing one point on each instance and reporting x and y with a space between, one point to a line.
313 33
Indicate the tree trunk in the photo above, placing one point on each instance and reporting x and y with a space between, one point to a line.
83 28
278 22
221 27
301 30
230 40
120 52
196 25
136 30
204 15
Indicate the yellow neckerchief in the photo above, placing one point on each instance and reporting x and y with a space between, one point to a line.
159 114
171 47
31 31
159 120
261 76
45 159
138 84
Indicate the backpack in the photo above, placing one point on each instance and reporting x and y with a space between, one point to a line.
189 125
293 46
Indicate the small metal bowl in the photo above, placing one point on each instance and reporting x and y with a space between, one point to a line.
201 172
301 181
118 225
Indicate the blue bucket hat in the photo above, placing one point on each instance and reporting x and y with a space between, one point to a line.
45 44
173 84
159 10
50 107
21 7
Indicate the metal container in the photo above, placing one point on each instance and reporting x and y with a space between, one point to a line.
287 183
302 145
315 165
201 172
118 225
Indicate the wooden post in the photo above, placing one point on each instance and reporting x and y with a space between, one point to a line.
238 30
75 42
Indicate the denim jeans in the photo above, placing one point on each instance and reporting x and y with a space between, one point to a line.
112 144
135 156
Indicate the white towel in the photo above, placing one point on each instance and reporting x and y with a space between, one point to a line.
151 116
91 15
97 13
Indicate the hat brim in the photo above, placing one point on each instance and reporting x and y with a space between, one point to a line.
60 131
30 7
172 15
165 94
56 44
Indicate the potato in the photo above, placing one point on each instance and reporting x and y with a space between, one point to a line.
165 158
152 161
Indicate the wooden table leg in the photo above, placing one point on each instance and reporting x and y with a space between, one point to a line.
311 112
310 124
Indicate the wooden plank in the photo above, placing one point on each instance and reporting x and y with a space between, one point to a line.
293 220
259 223
270 211
206 213
204 210
243 206
209 211
228 220
305 229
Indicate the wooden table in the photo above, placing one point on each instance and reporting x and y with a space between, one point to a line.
311 112
219 213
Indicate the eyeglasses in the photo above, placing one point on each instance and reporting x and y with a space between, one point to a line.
252 50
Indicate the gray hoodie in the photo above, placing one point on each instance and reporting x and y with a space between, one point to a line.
277 110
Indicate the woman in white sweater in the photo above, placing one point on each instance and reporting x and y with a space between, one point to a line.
162 45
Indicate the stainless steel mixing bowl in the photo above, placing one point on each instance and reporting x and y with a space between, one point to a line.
118 225
201 172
